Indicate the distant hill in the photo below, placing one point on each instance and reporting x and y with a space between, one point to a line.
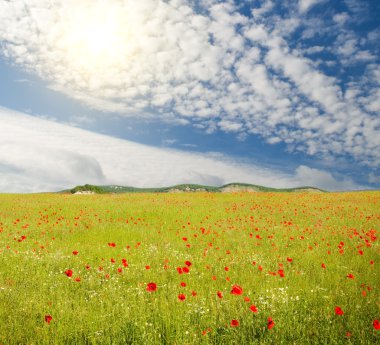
183 188
87 189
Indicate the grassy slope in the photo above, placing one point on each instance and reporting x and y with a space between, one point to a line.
185 187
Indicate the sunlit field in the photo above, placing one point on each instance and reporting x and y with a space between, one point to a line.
201 268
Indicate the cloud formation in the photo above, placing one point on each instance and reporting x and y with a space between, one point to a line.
207 64
305 5
40 155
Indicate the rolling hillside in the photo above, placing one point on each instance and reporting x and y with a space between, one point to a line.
183 188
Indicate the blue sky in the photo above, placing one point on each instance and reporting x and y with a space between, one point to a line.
285 92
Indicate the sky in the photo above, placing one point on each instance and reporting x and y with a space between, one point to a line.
153 93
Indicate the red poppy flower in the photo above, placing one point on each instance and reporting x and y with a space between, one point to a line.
48 319
236 290
376 324
111 244
151 287
234 323
75 252
185 269
188 263
206 331
350 276
338 311
181 297
323 265
193 293
77 279
183 284
253 308
289 259
270 323
69 273
147 267
220 295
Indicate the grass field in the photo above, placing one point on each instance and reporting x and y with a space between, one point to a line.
200 268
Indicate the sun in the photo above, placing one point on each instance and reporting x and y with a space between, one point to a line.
98 38
98 35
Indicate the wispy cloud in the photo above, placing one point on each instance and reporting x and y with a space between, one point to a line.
305 5
59 156
206 64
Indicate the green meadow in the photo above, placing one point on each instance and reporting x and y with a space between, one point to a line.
190 268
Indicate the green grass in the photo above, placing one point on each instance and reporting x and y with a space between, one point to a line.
238 238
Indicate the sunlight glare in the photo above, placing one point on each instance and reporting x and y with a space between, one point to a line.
99 36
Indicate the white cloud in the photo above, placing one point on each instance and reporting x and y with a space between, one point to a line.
306 5
266 7
229 126
348 48
79 120
365 56
314 50
317 177
39 155
341 18
200 63
168 142
22 81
